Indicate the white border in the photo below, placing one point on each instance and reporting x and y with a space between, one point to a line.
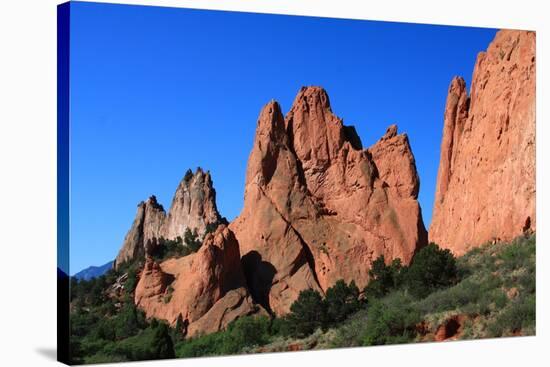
27 181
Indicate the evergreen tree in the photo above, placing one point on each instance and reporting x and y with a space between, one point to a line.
162 346
127 321
191 239
179 330
341 301
431 268
308 313
384 278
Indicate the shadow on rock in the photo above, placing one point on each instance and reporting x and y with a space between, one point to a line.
259 277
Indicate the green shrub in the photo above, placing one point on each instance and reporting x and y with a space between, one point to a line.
90 345
129 321
105 329
476 260
431 268
462 294
519 254
169 292
281 326
246 332
521 314
191 239
154 342
132 280
341 301
307 313
162 346
351 332
166 249
179 329
206 345
390 321
383 278
104 358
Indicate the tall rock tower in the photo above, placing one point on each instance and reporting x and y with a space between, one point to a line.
486 179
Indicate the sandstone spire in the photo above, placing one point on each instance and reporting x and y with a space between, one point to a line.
486 179
193 206
318 207
146 227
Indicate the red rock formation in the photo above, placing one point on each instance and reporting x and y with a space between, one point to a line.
486 179
318 207
207 288
193 207
234 304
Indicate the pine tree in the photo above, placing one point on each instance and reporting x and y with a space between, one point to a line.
162 345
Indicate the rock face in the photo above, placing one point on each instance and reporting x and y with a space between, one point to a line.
486 179
206 288
146 227
234 304
318 207
193 207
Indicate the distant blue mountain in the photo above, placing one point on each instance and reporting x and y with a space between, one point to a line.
93 271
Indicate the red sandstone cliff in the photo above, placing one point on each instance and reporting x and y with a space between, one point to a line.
318 207
486 179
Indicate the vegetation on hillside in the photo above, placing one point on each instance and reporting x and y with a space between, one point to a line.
106 326
488 292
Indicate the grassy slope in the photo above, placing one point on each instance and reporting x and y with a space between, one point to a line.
495 297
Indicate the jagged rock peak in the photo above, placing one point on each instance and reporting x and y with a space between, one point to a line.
146 229
311 97
395 162
391 132
193 206
318 207
457 86
486 179
271 122
152 202
316 134
456 113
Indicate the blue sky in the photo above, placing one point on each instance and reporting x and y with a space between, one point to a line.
155 91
